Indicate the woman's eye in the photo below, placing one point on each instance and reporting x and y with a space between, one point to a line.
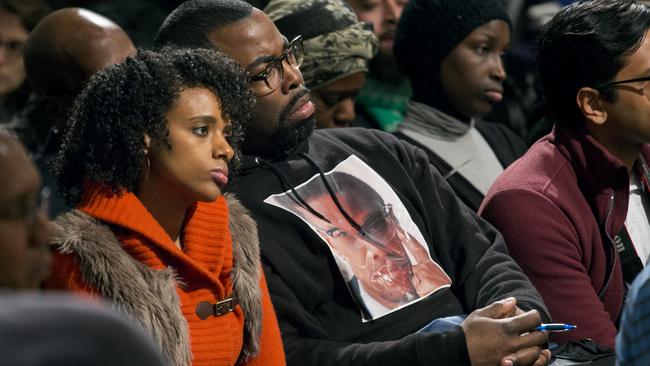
370 5
201 130
482 50
331 100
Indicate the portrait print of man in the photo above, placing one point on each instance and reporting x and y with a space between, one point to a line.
386 266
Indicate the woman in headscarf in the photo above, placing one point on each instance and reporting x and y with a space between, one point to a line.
337 49
452 52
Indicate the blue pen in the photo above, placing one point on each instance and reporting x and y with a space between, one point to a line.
555 327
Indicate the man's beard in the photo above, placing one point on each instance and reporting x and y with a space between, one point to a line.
287 136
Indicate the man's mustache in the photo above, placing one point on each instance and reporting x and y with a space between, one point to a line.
292 103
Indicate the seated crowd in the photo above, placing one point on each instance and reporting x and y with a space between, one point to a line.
204 200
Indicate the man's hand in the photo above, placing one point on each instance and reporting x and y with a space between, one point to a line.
495 337
513 360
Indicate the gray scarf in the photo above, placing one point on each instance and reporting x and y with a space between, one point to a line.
434 123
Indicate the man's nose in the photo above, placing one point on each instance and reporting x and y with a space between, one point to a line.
3 55
392 10
292 77
344 113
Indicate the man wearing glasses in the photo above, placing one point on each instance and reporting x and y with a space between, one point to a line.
574 210
283 110
321 323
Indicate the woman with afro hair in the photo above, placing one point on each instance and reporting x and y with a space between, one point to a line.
145 160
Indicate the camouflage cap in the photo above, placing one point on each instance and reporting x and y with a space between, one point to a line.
336 44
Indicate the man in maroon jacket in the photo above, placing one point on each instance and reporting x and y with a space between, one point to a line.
574 210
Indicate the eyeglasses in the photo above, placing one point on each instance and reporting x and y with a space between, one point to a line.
273 74
29 212
13 48
380 228
621 84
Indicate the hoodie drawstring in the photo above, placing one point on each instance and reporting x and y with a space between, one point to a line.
285 182
332 194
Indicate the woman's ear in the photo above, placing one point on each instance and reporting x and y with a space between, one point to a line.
592 105
147 141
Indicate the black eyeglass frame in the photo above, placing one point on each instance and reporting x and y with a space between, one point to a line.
620 82
277 63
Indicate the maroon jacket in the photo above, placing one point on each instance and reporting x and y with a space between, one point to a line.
559 207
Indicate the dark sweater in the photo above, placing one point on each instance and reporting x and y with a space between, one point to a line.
559 207
320 323
506 146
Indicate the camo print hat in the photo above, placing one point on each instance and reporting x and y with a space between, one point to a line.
336 44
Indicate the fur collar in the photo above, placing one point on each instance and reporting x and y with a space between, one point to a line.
131 285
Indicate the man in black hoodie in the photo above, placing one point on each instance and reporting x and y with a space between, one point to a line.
318 311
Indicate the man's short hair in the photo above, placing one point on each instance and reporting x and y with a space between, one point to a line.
585 45
190 24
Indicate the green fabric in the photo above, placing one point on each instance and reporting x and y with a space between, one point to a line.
385 103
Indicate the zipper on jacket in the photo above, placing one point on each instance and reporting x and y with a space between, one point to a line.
612 247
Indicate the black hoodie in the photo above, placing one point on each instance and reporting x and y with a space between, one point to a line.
319 319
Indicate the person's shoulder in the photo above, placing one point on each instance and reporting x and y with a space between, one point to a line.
640 289
70 223
362 141
645 151
494 126
541 167
363 134
500 132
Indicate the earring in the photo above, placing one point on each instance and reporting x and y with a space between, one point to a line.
148 166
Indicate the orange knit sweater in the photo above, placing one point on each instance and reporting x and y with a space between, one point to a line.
203 265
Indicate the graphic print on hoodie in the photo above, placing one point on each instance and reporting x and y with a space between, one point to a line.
379 250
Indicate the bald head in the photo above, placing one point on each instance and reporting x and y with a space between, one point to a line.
70 45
